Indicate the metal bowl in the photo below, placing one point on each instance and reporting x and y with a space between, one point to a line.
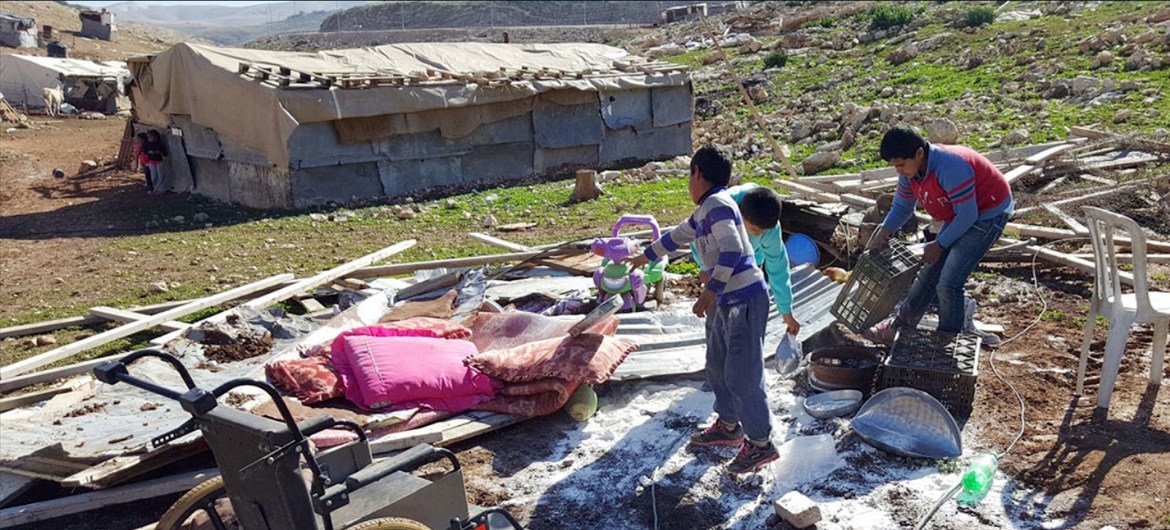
833 404
843 367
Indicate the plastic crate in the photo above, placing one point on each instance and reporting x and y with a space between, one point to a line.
876 284
944 365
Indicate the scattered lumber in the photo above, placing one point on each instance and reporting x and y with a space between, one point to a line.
473 261
45 510
72 349
1127 258
67 322
445 432
1067 219
497 242
1045 232
306 284
121 315
30 398
126 467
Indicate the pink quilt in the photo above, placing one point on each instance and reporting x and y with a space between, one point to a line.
401 372
531 399
495 331
586 358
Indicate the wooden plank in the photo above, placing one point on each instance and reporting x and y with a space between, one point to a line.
12 485
1067 219
806 190
583 264
432 434
473 261
121 315
61 323
1019 172
478 427
1094 195
497 242
311 282
30 398
1047 154
1060 258
1085 132
1150 258
122 468
69 350
311 305
43 511
1045 232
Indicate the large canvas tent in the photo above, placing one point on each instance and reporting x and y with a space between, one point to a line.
86 85
290 129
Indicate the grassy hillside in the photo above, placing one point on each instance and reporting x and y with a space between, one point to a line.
415 15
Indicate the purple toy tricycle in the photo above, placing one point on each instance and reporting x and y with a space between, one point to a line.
615 278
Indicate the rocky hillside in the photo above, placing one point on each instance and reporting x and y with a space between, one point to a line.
331 40
417 15
230 24
134 38
831 77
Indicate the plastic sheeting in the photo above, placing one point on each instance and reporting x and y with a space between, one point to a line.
23 77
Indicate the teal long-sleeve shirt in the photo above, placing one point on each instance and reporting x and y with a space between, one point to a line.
770 255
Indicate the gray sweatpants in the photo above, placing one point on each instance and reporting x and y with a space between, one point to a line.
735 364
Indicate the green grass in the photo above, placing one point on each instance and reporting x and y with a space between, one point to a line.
888 16
1053 315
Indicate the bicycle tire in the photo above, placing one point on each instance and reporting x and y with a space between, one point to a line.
389 523
203 498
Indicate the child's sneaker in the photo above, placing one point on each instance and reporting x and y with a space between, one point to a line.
718 434
752 457
883 333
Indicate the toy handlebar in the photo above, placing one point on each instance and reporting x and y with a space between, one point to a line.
632 219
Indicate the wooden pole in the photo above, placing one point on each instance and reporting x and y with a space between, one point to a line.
72 349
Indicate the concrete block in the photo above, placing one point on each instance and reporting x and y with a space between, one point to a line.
511 130
797 510
319 185
626 108
178 168
552 159
654 144
408 176
234 152
419 146
672 105
317 145
200 141
259 186
502 161
211 178
556 126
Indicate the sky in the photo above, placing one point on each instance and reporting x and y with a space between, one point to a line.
237 3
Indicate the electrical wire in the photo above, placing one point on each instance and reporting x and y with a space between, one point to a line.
926 518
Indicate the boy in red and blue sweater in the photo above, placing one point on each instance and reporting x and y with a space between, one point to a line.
966 192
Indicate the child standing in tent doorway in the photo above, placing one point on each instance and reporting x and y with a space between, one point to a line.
156 152
969 195
735 305
760 207
143 160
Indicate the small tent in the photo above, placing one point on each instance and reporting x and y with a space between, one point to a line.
87 85
18 32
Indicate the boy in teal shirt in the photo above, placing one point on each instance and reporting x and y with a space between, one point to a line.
760 208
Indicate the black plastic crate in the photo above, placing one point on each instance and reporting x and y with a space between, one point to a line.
876 284
944 365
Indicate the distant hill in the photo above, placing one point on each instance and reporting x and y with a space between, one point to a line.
232 25
422 14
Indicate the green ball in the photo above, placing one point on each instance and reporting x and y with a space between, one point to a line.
582 404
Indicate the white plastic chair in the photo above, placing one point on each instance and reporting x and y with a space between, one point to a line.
1122 310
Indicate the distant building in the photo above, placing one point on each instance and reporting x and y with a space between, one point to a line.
683 13
18 32
98 25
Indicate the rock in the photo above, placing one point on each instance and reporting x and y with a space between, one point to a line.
751 46
58 173
903 54
658 52
1159 17
801 130
87 165
406 215
45 340
942 131
200 217
318 217
853 116
1082 85
159 287
1104 58
1059 90
1017 136
1129 85
820 161
887 92
710 58
757 93
489 221
607 176
1122 116
794 40
451 203
972 61
178 219
797 510
848 139
1136 61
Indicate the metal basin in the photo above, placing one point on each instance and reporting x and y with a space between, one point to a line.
843 367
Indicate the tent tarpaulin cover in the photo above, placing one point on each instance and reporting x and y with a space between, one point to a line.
204 83
23 77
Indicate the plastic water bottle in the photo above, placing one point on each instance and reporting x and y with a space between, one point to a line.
978 478
788 356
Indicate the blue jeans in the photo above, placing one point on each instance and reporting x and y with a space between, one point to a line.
735 364
943 281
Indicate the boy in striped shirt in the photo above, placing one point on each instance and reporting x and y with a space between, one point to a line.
735 304
966 192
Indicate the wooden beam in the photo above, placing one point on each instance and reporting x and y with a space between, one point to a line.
1047 154
1150 258
1067 219
69 350
1085 132
497 242
1045 232
446 432
126 467
1094 195
45 510
473 261
306 284
806 190
1060 258
121 315
61 323
30 398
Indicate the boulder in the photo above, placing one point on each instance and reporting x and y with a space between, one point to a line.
1136 61
751 46
1104 58
658 52
942 131
87 166
1016 137
1122 116
904 54
1082 85
801 130
820 161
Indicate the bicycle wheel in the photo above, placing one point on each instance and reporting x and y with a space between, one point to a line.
389 523
205 507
